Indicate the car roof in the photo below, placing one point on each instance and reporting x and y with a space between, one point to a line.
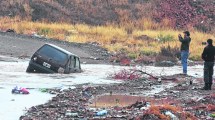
61 49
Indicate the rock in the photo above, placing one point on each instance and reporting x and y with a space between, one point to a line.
194 88
165 64
159 80
172 116
102 113
71 114
10 30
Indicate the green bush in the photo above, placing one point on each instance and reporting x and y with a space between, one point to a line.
195 58
45 31
165 38
148 53
132 55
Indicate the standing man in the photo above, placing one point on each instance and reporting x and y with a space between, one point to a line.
185 44
208 56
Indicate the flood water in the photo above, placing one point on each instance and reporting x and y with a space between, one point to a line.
12 73
15 105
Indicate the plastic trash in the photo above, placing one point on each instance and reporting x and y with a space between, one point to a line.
86 94
172 116
159 80
44 90
24 91
19 90
15 90
71 114
101 113
212 115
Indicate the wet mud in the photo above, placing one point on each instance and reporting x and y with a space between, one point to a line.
127 101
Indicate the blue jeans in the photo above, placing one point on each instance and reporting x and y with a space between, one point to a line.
184 57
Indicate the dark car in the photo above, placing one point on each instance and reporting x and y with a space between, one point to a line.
53 59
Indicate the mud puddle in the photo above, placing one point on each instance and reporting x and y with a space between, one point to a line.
115 100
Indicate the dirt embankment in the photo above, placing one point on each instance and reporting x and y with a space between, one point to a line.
182 13
23 46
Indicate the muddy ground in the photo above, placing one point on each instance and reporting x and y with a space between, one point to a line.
127 100
23 46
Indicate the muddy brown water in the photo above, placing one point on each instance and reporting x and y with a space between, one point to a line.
115 100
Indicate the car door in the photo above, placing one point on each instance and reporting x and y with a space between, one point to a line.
77 64
72 64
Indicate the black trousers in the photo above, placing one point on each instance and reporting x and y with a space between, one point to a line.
208 72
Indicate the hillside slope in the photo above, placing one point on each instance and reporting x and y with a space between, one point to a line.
182 13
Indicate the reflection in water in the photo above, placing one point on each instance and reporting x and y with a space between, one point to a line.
115 100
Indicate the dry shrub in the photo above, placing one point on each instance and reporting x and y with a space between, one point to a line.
171 108
168 54
159 112
155 110
187 116
126 75
143 59
211 107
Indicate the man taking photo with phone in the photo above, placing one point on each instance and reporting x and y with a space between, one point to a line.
208 57
185 44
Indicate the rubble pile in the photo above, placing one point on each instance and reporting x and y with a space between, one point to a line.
182 101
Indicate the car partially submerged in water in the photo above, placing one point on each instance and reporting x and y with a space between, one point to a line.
53 59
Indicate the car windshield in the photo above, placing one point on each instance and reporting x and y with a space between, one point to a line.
53 54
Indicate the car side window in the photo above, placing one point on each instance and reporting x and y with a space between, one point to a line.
72 62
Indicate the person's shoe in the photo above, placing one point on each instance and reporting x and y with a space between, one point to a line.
205 87
184 74
209 86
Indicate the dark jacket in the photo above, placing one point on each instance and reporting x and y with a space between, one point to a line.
185 43
208 53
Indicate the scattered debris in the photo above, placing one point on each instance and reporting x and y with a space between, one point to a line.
44 90
111 102
172 116
101 113
19 90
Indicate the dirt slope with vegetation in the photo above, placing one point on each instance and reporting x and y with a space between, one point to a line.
183 13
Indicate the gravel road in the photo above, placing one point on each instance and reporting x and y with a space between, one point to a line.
23 46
